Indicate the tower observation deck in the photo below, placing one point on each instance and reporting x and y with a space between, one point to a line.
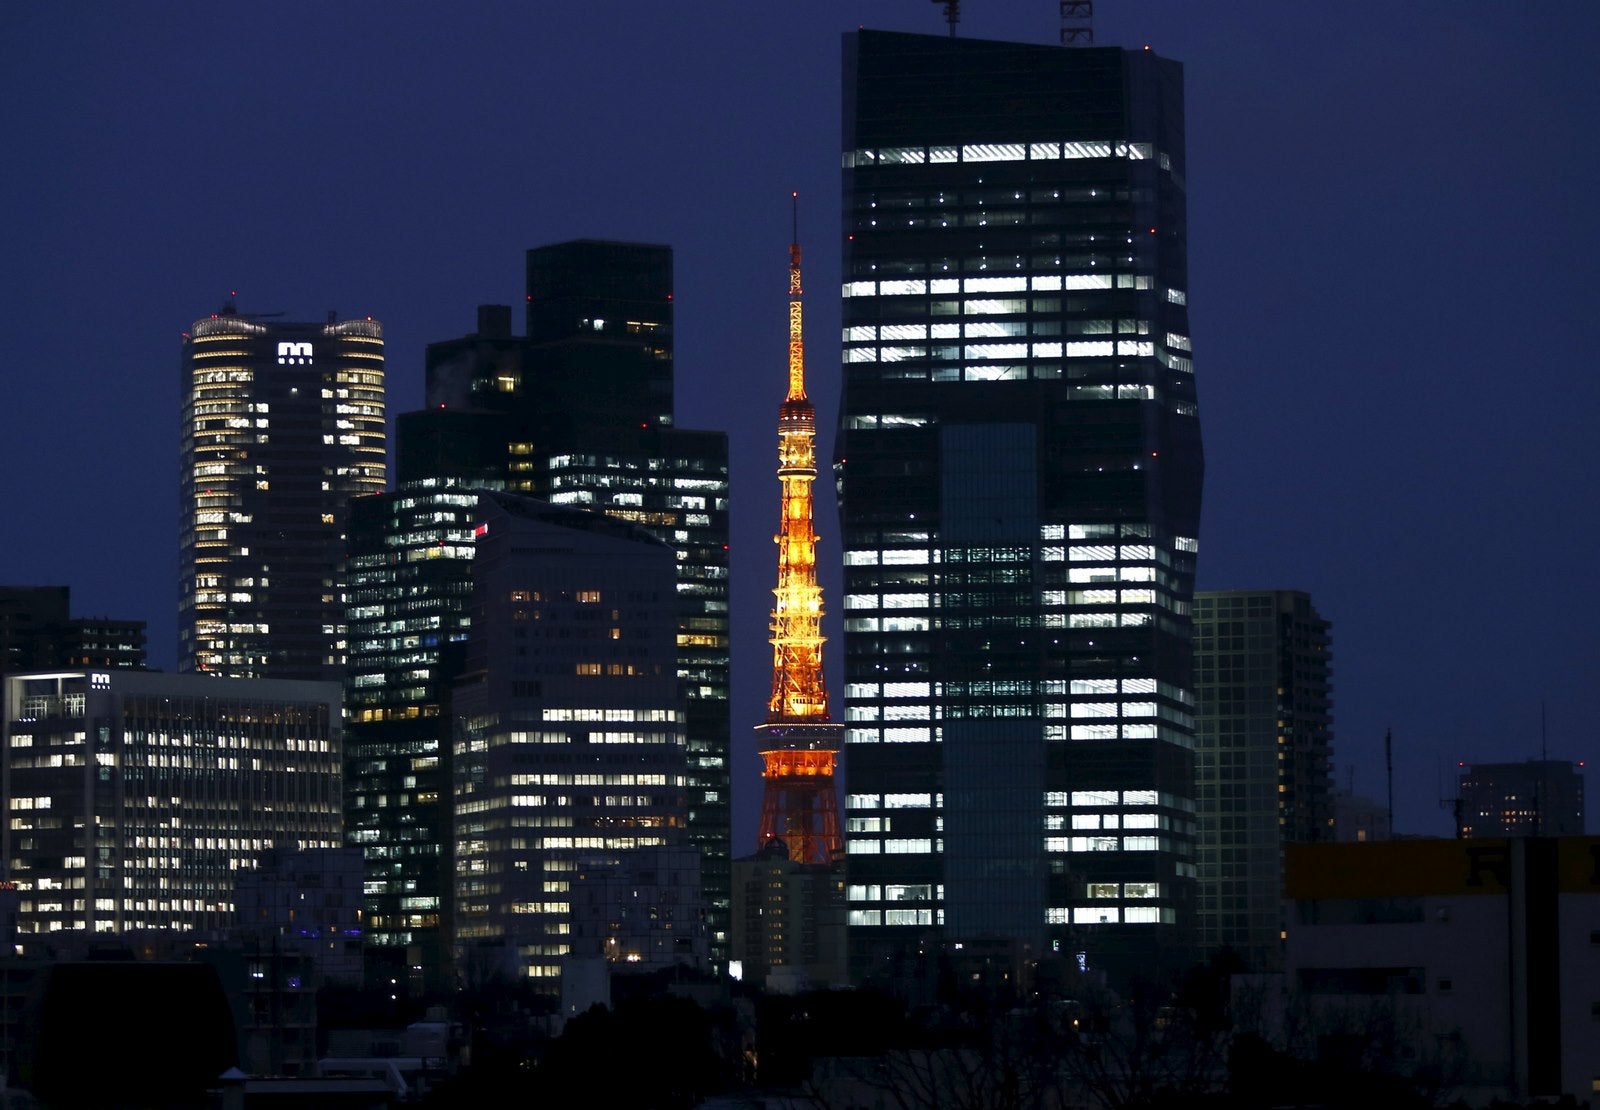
799 742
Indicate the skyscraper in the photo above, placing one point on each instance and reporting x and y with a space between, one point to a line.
569 749
408 585
578 413
283 423
1019 468
1264 758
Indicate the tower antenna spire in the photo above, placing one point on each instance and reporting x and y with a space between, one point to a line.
799 742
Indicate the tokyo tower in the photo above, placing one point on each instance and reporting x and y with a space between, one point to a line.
799 742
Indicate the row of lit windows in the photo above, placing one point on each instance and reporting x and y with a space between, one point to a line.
894 892
1055 822
896 917
1110 915
894 846
1108 844
1005 152
996 329
1019 283
979 352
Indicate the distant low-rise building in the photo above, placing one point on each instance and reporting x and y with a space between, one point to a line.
1538 797
37 633
1359 819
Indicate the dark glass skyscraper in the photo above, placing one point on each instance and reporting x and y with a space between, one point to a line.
1019 468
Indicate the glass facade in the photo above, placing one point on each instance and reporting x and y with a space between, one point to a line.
409 577
282 425
1019 470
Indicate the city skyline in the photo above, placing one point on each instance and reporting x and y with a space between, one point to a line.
1387 216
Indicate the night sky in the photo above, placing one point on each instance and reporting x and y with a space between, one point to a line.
1393 267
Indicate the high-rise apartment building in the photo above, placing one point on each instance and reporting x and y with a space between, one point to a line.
137 798
1537 797
283 423
1264 758
1019 468
569 748
579 413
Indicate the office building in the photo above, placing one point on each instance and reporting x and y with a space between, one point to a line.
1263 758
1019 469
600 327
1537 797
408 587
578 413
283 423
569 749
137 798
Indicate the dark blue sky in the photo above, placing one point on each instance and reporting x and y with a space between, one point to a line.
1393 263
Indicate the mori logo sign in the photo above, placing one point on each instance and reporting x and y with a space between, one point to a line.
294 354
99 681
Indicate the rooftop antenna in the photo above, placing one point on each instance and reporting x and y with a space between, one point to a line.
952 13
1456 805
1388 762
1077 23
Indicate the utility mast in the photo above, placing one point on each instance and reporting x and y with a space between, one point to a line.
799 742
1077 22
952 13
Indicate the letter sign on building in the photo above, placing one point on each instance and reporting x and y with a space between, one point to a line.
294 354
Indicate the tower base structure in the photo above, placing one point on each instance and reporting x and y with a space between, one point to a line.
799 805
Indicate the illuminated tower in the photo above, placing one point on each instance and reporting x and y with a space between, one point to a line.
799 742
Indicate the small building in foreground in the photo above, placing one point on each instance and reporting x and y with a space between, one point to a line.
1475 963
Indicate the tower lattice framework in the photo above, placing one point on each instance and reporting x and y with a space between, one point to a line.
799 741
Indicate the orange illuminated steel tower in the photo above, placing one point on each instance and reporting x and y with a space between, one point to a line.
799 742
